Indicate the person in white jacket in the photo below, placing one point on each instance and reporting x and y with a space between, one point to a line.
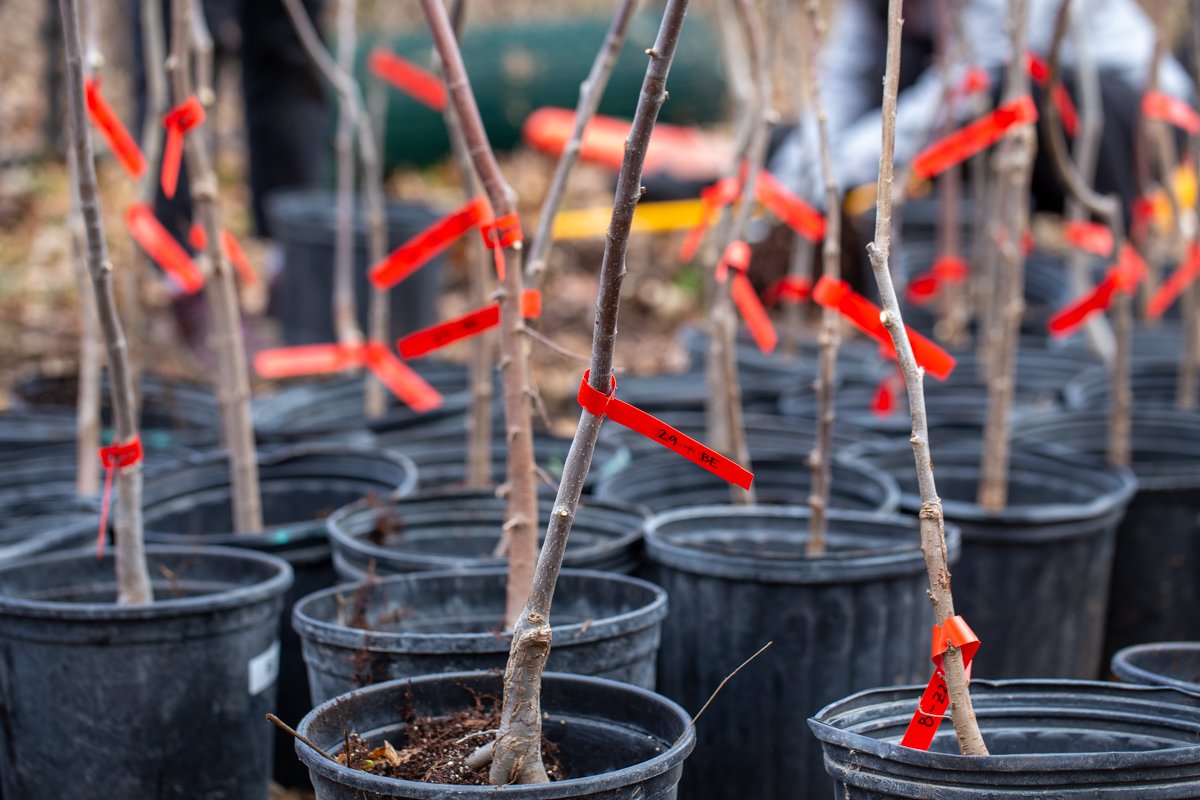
1117 35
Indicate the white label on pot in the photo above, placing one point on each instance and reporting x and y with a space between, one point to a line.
264 668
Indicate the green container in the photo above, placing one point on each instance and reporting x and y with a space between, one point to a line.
516 69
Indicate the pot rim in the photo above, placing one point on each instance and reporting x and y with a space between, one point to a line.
1127 669
416 790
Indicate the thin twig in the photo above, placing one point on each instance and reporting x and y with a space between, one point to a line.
133 577
202 52
933 533
554 346
288 729
721 686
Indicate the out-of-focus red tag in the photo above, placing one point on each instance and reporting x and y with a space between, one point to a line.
789 207
1089 237
420 249
713 198
974 137
656 430
1163 107
126 150
946 269
1173 286
435 337
1124 276
178 121
1039 70
233 251
932 706
114 456
793 289
162 248
737 259
498 234
419 84
975 80
865 316
319 359
883 402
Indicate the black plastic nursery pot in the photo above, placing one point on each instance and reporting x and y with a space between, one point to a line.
460 530
666 395
858 360
1154 383
765 433
1157 556
1038 571
615 740
1175 664
333 408
300 486
662 480
304 221
175 415
425 623
48 524
133 702
1052 739
737 578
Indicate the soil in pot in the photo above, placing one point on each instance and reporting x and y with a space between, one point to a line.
1053 739
1175 664
460 531
661 481
614 740
738 577
1157 556
301 486
425 623
1044 560
162 701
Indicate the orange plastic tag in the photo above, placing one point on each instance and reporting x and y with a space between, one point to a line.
865 316
1089 237
233 251
656 430
789 207
419 84
737 259
115 456
413 390
1163 107
946 269
498 234
1039 70
1124 276
178 121
976 80
435 337
126 150
317 359
420 249
932 706
715 197
788 289
974 137
162 248
1180 279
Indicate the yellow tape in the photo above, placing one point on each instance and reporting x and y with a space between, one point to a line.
667 215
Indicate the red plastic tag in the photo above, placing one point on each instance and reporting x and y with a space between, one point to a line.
975 81
1173 286
498 234
1039 70
420 249
1089 237
435 337
317 359
788 289
936 699
789 207
128 154
162 248
1163 107
115 456
419 84
974 137
233 251
177 121
865 316
946 269
713 198
656 430
883 403
1124 276
737 258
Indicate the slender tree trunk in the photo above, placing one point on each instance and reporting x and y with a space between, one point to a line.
933 533
521 523
515 753
133 577
1189 365
821 458
345 307
800 261
91 352
1013 171
233 383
